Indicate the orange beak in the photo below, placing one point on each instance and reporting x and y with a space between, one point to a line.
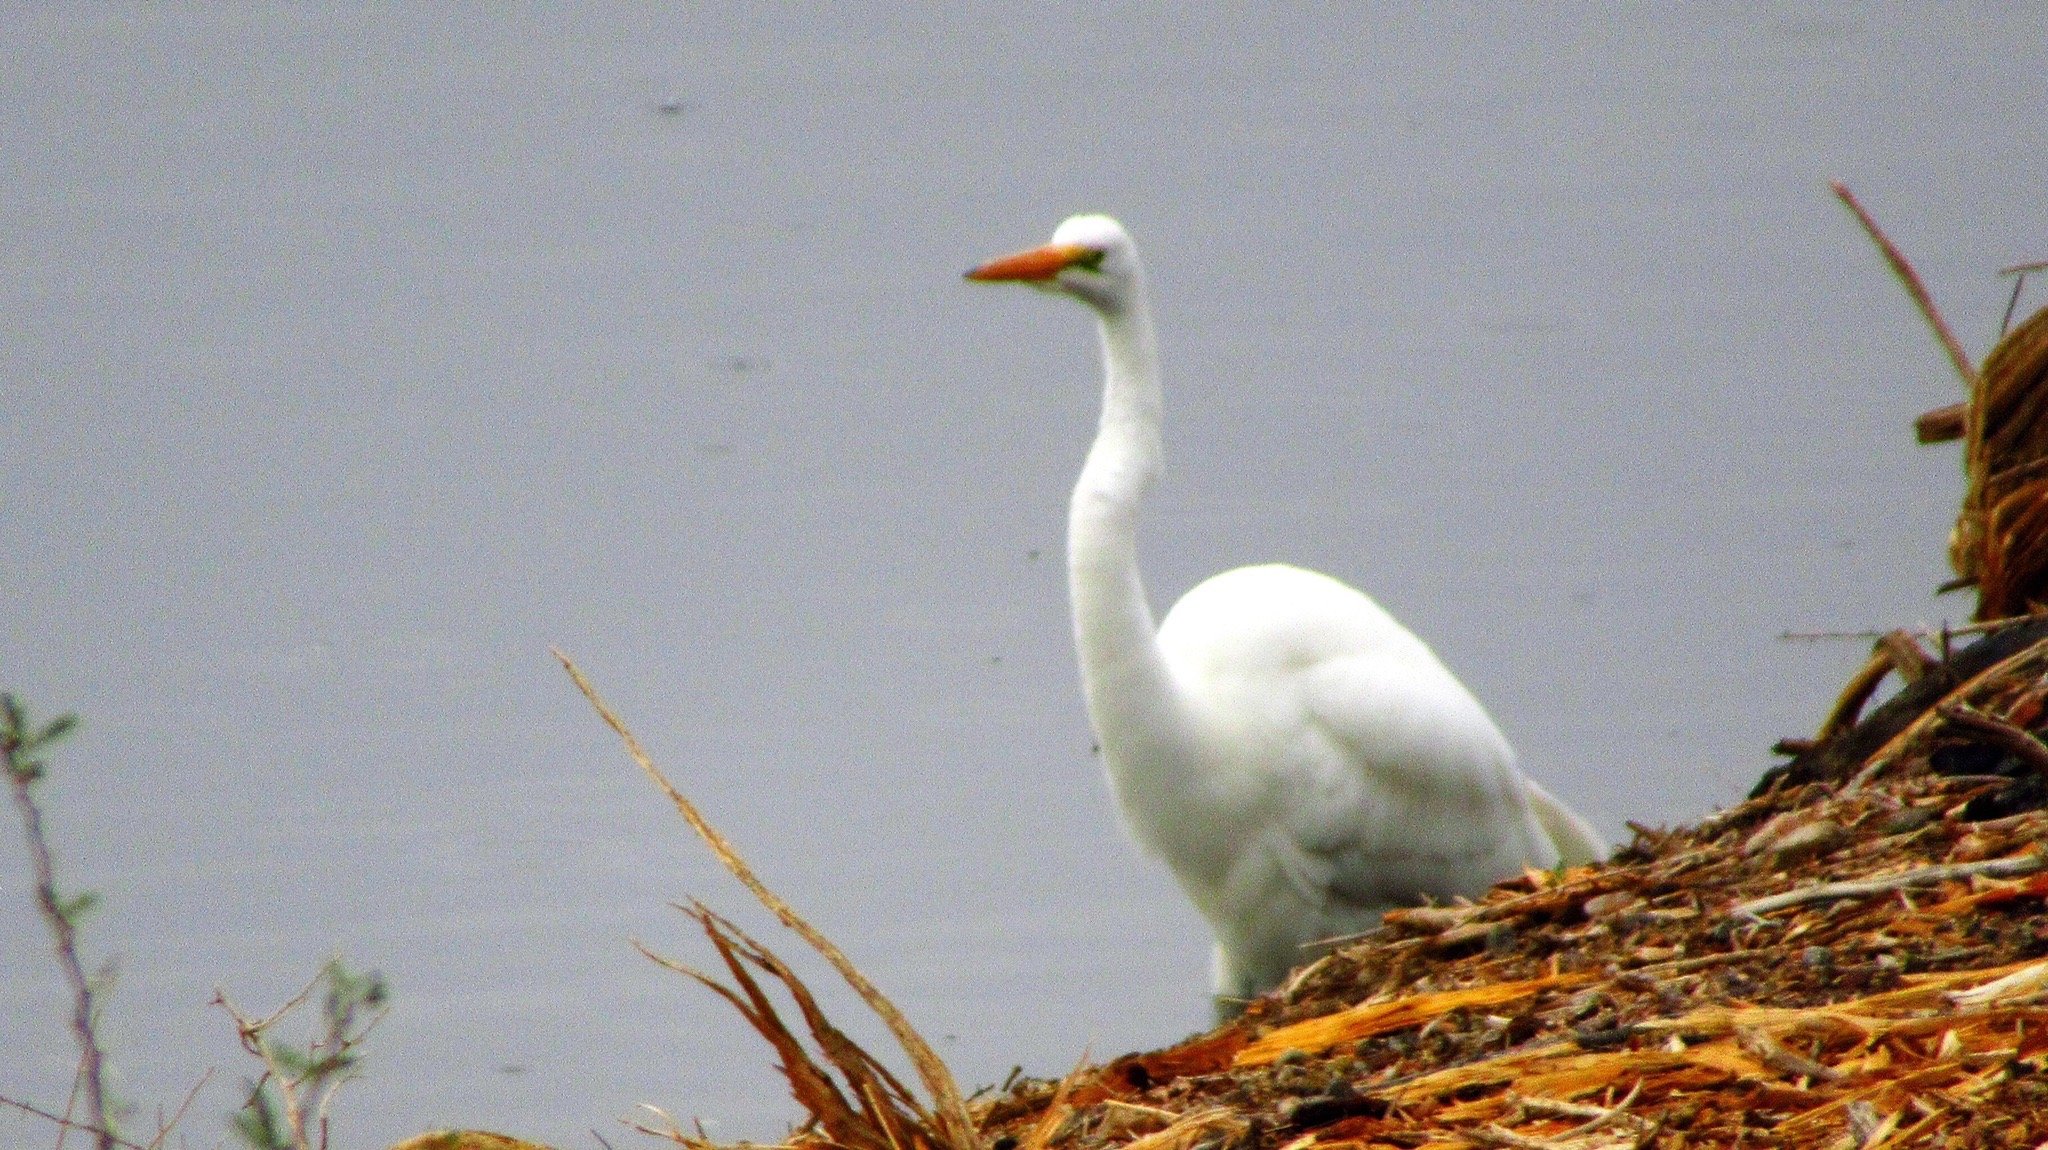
1034 266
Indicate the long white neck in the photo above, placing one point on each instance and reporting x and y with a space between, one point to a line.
1130 693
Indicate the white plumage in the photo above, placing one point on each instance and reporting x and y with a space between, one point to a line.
1299 759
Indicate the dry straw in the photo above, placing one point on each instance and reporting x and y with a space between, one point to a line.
880 1114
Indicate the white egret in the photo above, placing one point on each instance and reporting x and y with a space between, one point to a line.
1299 759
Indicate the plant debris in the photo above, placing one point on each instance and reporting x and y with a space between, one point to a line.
1826 965
2000 541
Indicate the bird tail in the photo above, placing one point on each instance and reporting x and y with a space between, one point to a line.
1576 840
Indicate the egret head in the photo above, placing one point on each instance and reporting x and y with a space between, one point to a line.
1091 257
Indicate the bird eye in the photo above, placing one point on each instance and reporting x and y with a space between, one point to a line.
1092 260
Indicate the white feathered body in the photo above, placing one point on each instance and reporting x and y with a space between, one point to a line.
1341 771
1298 758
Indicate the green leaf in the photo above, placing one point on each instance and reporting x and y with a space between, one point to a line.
258 1122
77 905
57 728
294 1063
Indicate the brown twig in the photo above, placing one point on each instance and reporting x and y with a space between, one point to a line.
1997 732
1056 1111
950 1109
1609 1116
1974 670
2019 272
107 1137
1907 656
1774 1055
163 1129
1500 1136
874 1119
250 1032
1896 650
1910 279
673 1131
1943 424
1857 692
1863 888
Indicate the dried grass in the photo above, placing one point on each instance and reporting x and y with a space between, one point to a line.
868 1109
2001 537
2000 541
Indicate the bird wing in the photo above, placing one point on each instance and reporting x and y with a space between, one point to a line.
1398 786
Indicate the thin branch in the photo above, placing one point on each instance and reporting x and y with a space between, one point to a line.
163 1129
1982 628
1049 1120
1904 880
337 1043
71 1100
673 1132
2019 273
1907 657
1896 650
106 1136
1944 424
2019 284
1849 705
1500 1136
1910 279
250 1031
16 744
1617 1113
1774 1055
1998 733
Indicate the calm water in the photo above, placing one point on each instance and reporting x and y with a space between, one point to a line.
350 361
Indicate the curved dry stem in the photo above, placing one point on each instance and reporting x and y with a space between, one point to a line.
949 1106
1915 287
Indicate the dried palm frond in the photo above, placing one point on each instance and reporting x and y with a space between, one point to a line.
2000 541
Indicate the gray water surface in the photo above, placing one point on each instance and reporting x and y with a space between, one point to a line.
349 359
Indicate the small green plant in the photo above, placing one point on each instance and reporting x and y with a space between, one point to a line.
288 1104
22 744
276 1115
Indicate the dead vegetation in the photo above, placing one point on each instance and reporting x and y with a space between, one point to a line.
866 1107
